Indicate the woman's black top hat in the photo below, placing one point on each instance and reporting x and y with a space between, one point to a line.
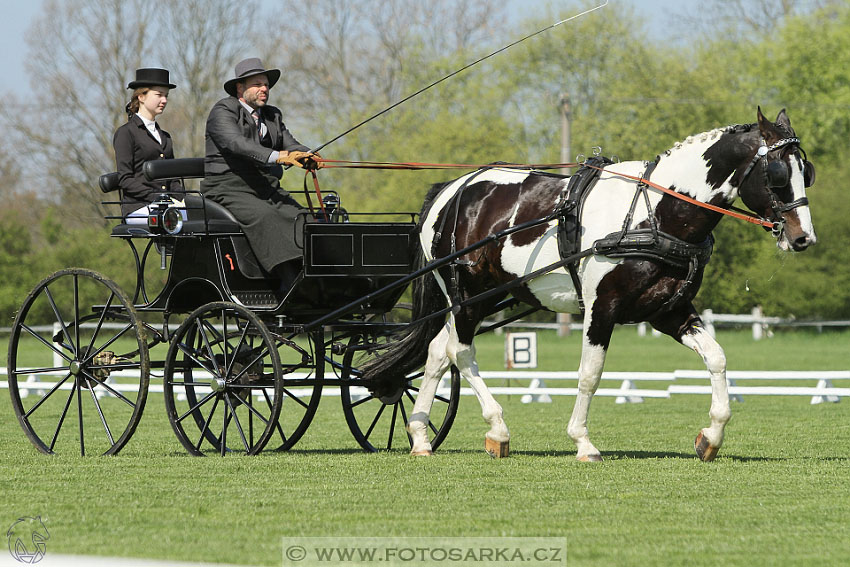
248 68
151 78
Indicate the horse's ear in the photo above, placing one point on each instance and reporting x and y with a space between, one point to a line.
783 120
765 125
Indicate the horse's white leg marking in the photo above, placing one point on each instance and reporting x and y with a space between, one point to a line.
463 357
711 352
589 374
435 367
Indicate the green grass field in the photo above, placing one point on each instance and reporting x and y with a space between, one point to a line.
776 495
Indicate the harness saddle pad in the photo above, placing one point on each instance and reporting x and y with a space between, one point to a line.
569 216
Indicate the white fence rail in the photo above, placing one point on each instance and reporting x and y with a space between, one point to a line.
538 390
758 322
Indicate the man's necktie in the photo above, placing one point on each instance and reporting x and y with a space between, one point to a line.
261 127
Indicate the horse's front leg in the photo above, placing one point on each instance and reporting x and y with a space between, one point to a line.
589 374
435 367
710 439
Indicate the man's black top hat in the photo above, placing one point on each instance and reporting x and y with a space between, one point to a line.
248 68
151 78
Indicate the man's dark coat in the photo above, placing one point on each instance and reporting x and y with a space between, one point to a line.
236 175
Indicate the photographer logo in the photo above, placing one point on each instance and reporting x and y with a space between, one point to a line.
27 539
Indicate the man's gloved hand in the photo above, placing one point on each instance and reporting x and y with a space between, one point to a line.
292 158
313 161
305 160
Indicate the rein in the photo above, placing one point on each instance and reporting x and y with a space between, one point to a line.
734 214
412 165
349 164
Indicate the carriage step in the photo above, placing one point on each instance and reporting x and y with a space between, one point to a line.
257 298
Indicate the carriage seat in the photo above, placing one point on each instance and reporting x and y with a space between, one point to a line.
203 216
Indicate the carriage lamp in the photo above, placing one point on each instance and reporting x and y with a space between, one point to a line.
164 217
333 209
172 220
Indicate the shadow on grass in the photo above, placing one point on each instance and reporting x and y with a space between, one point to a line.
645 455
569 455
270 452
685 456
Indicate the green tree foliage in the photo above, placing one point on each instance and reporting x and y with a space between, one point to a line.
632 94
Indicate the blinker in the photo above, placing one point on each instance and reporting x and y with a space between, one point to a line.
808 173
777 174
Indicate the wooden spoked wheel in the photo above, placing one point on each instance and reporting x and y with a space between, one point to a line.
78 365
377 419
222 381
303 362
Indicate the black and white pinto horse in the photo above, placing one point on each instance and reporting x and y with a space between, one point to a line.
761 163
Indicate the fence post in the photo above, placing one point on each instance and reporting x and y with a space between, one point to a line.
822 384
625 387
536 384
57 360
758 323
564 320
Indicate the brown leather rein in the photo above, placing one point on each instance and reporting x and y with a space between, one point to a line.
349 164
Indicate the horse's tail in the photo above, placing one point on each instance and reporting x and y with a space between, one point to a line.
409 350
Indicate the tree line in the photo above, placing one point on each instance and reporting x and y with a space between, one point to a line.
633 94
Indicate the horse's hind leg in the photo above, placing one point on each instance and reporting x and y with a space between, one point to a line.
447 348
693 335
462 352
435 367
497 439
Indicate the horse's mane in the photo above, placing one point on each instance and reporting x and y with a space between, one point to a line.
711 135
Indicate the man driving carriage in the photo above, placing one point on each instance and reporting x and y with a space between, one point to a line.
244 135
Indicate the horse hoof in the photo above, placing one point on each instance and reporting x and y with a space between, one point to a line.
423 453
705 451
496 449
590 458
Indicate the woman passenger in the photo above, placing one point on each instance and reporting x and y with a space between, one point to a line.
141 140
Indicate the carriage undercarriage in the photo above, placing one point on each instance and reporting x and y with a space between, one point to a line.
241 361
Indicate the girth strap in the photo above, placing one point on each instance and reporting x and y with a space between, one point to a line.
655 245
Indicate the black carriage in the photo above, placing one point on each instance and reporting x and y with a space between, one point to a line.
241 360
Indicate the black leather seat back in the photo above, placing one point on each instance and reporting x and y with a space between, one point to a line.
108 182
183 168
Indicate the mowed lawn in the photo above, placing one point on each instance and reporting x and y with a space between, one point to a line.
776 495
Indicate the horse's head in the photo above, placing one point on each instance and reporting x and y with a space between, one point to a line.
774 182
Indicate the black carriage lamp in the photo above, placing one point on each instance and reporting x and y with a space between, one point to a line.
164 216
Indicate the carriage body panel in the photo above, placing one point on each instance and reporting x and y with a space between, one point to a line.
342 262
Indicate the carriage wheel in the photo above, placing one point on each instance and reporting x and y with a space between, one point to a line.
222 381
78 365
303 361
378 419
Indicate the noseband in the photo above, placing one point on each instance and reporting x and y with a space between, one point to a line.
775 175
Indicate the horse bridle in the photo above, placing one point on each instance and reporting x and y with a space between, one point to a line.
776 174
